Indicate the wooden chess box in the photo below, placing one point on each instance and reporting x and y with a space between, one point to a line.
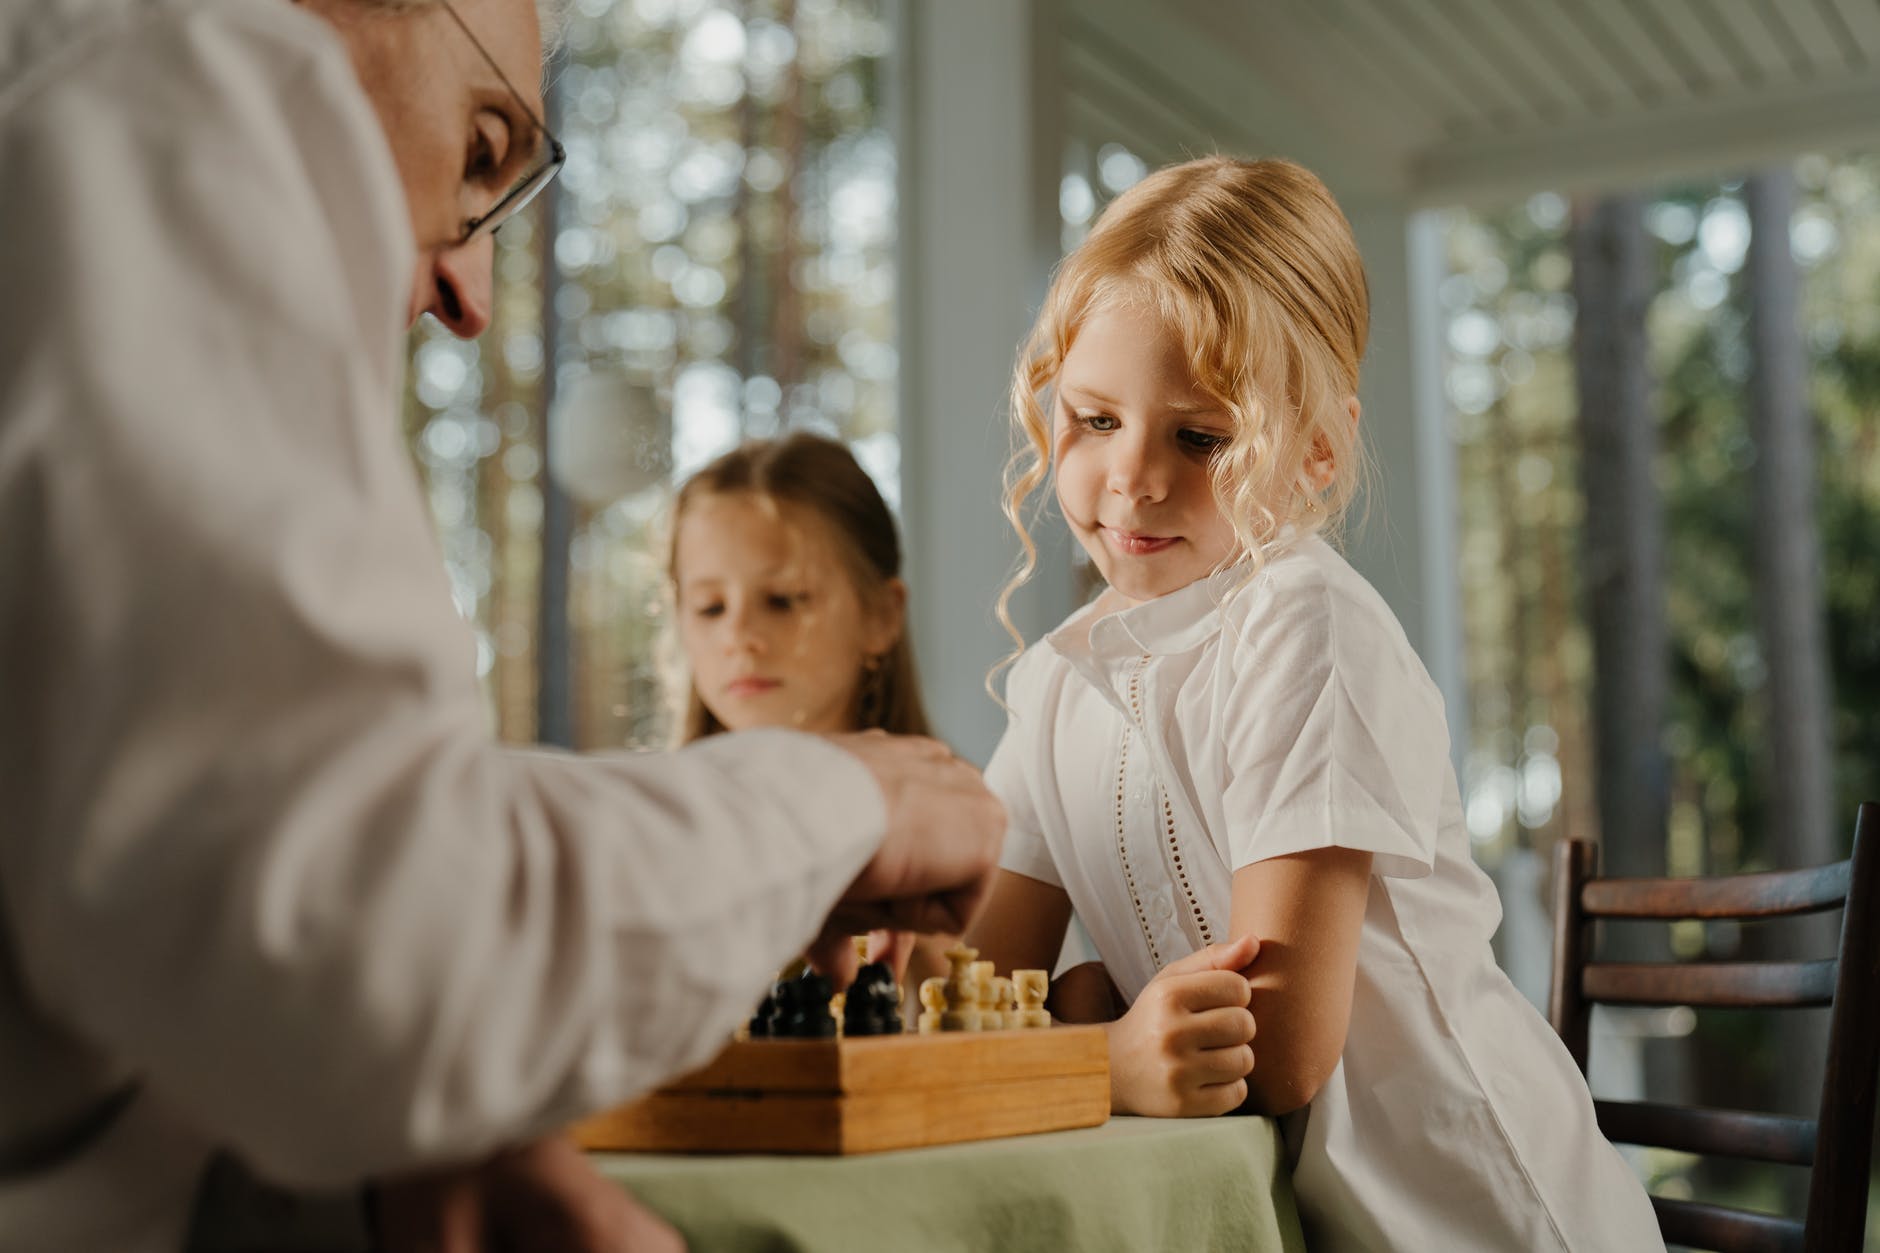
867 1094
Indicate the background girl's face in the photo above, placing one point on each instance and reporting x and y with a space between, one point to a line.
773 629
1131 438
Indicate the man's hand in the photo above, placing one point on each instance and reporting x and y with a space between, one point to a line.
934 868
1185 1048
541 1198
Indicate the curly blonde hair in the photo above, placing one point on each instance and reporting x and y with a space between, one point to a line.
1254 266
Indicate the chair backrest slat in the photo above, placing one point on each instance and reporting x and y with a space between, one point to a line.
1726 985
1840 1139
1724 1230
1771 895
1716 1132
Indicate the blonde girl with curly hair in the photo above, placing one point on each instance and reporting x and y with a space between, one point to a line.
1234 768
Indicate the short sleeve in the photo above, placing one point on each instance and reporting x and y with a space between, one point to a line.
1011 775
1333 733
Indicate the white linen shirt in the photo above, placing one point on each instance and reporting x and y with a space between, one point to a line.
1154 751
266 881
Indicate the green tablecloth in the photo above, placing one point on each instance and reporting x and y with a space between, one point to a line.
1134 1184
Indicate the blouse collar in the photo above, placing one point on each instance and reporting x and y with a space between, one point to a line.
1176 623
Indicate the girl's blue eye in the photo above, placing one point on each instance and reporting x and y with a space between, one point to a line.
709 611
1098 421
1203 441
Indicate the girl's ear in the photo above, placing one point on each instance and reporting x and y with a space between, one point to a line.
1322 466
888 619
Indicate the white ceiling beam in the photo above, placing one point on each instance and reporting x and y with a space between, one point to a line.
1719 136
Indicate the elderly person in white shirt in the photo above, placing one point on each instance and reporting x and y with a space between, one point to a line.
267 885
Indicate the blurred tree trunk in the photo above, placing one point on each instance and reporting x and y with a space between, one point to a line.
1623 532
786 317
1800 823
1623 537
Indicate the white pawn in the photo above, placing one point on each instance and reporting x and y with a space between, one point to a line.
962 991
1004 1005
1031 988
986 997
933 1000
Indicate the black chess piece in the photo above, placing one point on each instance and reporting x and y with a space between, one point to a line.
809 1017
873 1004
760 1021
782 1000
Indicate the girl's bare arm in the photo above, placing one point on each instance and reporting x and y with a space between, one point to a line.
1023 925
1307 911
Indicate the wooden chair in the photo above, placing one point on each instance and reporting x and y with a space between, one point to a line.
1838 1143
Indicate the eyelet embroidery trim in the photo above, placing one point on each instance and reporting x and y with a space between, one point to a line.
1122 844
1168 829
1181 874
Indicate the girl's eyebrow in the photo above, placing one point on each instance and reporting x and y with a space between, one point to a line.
1089 394
1187 408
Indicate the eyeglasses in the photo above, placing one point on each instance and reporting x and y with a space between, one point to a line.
517 198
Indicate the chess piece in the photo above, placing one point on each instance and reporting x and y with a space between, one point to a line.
760 1021
985 997
809 1018
873 1005
962 991
933 1000
1030 987
782 1001
1004 1003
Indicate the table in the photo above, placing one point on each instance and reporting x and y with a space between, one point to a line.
1133 1184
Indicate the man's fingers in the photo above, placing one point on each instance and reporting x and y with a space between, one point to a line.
892 947
833 954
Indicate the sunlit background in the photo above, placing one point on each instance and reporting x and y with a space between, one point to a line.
722 259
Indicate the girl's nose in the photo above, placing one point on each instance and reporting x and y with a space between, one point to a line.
744 632
1136 473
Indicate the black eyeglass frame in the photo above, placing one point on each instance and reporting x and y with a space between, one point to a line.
530 186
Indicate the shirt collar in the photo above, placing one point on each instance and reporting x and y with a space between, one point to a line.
1176 623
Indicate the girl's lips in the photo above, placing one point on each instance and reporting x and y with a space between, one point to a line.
1135 545
752 686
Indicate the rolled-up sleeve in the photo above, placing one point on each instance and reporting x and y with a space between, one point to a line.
1334 737
260 851
1012 773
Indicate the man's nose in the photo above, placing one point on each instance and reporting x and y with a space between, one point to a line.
460 286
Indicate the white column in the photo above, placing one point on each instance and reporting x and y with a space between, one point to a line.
1405 541
979 159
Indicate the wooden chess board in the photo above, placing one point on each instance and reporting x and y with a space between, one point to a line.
870 1093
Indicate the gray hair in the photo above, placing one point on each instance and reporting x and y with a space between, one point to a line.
551 14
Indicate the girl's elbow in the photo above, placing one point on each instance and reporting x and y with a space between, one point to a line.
1280 1089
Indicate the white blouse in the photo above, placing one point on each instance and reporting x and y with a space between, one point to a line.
266 881
1154 751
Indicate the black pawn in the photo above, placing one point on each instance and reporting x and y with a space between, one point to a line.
810 1018
760 1021
871 1007
782 1001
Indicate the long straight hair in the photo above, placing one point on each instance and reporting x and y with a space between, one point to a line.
822 476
